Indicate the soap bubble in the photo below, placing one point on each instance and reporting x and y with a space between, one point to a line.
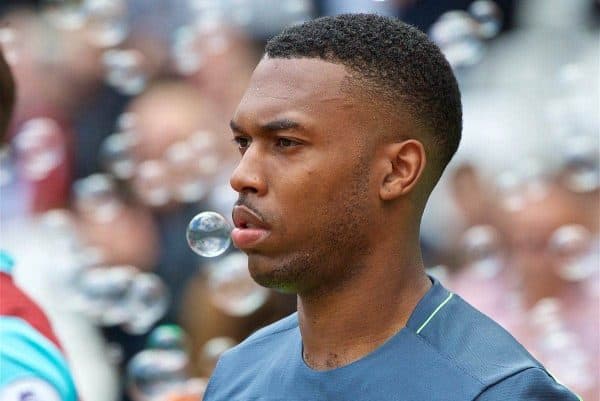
116 154
151 183
489 16
212 351
106 24
482 251
167 336
147 302
96 198
40 147
208 234
155 373
102 293
187 184
457 35
126 122
125 70
569 244
205 149
581 163
232 289
67 15
186 50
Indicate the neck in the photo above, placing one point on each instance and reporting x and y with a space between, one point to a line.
341 325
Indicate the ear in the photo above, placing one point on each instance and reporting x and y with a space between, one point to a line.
405 163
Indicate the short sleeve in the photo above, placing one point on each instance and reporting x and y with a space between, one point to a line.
533 384
31 363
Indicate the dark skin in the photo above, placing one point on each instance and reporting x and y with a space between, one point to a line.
342 199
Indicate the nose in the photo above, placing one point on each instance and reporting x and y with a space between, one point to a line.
247 176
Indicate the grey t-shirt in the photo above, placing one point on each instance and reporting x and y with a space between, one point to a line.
448 351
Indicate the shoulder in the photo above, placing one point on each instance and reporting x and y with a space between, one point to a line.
474 344
533 384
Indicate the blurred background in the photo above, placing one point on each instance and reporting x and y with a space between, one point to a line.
120 136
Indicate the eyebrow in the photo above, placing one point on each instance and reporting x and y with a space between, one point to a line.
283 124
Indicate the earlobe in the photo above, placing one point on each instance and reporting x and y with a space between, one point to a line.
407 161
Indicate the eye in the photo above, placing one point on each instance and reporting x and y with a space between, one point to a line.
242 142
286 143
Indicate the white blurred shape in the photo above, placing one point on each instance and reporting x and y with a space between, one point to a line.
96 198
155 373
457 35
9 45
481 249
151 183
40 147
102 294
116 154
570 244
488 15
231 287
147 301
125 70
106 24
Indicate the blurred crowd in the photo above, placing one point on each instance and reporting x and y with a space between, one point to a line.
120 136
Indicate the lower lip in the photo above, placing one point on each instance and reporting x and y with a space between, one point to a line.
248 237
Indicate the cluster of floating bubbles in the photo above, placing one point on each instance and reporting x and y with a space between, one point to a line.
482 251
559 346
183 174
120 295
153 374
40 147
461 35
126 70
96 198
571 118
103 22
570 244
106 24
161 371
116 154
526 183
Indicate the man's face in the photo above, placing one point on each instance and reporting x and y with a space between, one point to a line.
304 175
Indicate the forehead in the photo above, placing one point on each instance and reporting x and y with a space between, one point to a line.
300 84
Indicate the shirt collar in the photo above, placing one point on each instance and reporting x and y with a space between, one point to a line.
435 297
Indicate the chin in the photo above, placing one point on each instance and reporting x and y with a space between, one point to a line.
279 275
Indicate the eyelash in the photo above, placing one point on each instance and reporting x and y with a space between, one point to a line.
238 141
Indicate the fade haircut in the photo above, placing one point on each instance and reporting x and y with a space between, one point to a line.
7 96
396 63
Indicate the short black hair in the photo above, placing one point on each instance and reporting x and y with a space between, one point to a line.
395 59
7 96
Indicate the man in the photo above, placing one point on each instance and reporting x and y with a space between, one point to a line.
32 366
346 126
